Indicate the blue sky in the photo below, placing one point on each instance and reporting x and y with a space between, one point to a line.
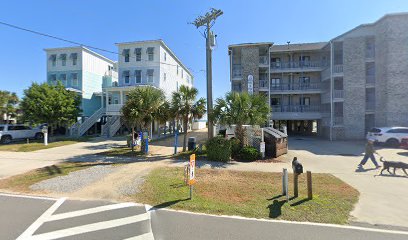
102 23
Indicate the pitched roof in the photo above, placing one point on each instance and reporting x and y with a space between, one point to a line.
298 47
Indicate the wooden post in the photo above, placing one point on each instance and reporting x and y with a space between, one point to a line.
309 185
295 185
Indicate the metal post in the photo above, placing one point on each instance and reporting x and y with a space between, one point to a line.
191 191
46 138
331 90
295 185
175 141
309 185
285 180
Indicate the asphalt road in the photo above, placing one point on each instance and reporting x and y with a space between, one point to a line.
24 217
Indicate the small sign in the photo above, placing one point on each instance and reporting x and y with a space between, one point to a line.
262 147
145 135
250 84
191 179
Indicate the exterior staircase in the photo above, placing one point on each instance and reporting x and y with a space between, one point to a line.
79 129
111 127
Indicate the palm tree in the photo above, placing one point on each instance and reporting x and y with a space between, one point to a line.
141 106
164 114
240 109
185 108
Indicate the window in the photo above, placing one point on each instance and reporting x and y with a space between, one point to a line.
177 70
138 76
276 62
164 76
115 100
53 59
63 59
126 54
304 82
150 75
182 73
16 128
165 56
1 128
398 130
74 77
275 83
63 78
150 53
74 57
275 101
53 79
138 53
304 60
126 77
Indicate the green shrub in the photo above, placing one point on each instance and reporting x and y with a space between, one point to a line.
218 149
249 153
235 147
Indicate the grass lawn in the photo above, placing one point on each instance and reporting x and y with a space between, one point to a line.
249 194
35 145
23 181
122 152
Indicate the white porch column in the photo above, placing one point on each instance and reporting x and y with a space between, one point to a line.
107 98
121 97
102 99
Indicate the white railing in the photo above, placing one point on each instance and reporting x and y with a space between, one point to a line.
112 73
263 60
338 68
89 122
295 87
298 64
114 107
296 108
263 84
115 125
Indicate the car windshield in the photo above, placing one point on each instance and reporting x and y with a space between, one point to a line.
1 128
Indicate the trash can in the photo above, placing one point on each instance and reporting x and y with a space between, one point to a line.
192 142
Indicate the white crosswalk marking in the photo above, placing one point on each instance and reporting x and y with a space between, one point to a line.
90 227
89 211
146 236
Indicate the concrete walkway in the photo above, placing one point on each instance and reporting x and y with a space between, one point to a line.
383 199
12 163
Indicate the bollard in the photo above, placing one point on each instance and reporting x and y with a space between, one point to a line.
285 180
175 141
295 185
309 185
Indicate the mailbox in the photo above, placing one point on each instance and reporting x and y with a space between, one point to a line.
297 166
44 129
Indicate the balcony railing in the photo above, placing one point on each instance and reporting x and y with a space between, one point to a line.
236 71
236 88
263 60
295 108
114 107
298 64
337 69
295 87
338 93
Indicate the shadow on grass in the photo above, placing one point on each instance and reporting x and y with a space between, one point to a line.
275 209
300 202
170 203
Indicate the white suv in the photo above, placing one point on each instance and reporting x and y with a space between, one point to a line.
390 135
9 133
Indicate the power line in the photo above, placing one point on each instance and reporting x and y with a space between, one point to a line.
78 43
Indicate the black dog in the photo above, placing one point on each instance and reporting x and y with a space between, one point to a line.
297 166
389 164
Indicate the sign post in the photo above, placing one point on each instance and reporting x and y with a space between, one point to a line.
175 141
191 180
44 130
146 138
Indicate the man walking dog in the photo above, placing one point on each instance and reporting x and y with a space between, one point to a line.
369 153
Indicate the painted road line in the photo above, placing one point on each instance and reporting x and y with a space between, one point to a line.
35 225
28 196
286 221
146 236
89 211
90 227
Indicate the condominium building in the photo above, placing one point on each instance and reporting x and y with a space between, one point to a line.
104 84
337 89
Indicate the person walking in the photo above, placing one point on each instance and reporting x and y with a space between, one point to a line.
369 153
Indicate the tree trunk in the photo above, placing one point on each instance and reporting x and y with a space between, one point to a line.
185 124
239 132
133 139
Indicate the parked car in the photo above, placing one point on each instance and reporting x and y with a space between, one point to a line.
404 143
391 136
8 133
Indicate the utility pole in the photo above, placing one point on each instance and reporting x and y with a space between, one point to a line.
208 20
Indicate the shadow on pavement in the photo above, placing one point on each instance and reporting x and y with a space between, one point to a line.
365 169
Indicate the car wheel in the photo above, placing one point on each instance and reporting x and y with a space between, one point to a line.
39 136
6 139
392 142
